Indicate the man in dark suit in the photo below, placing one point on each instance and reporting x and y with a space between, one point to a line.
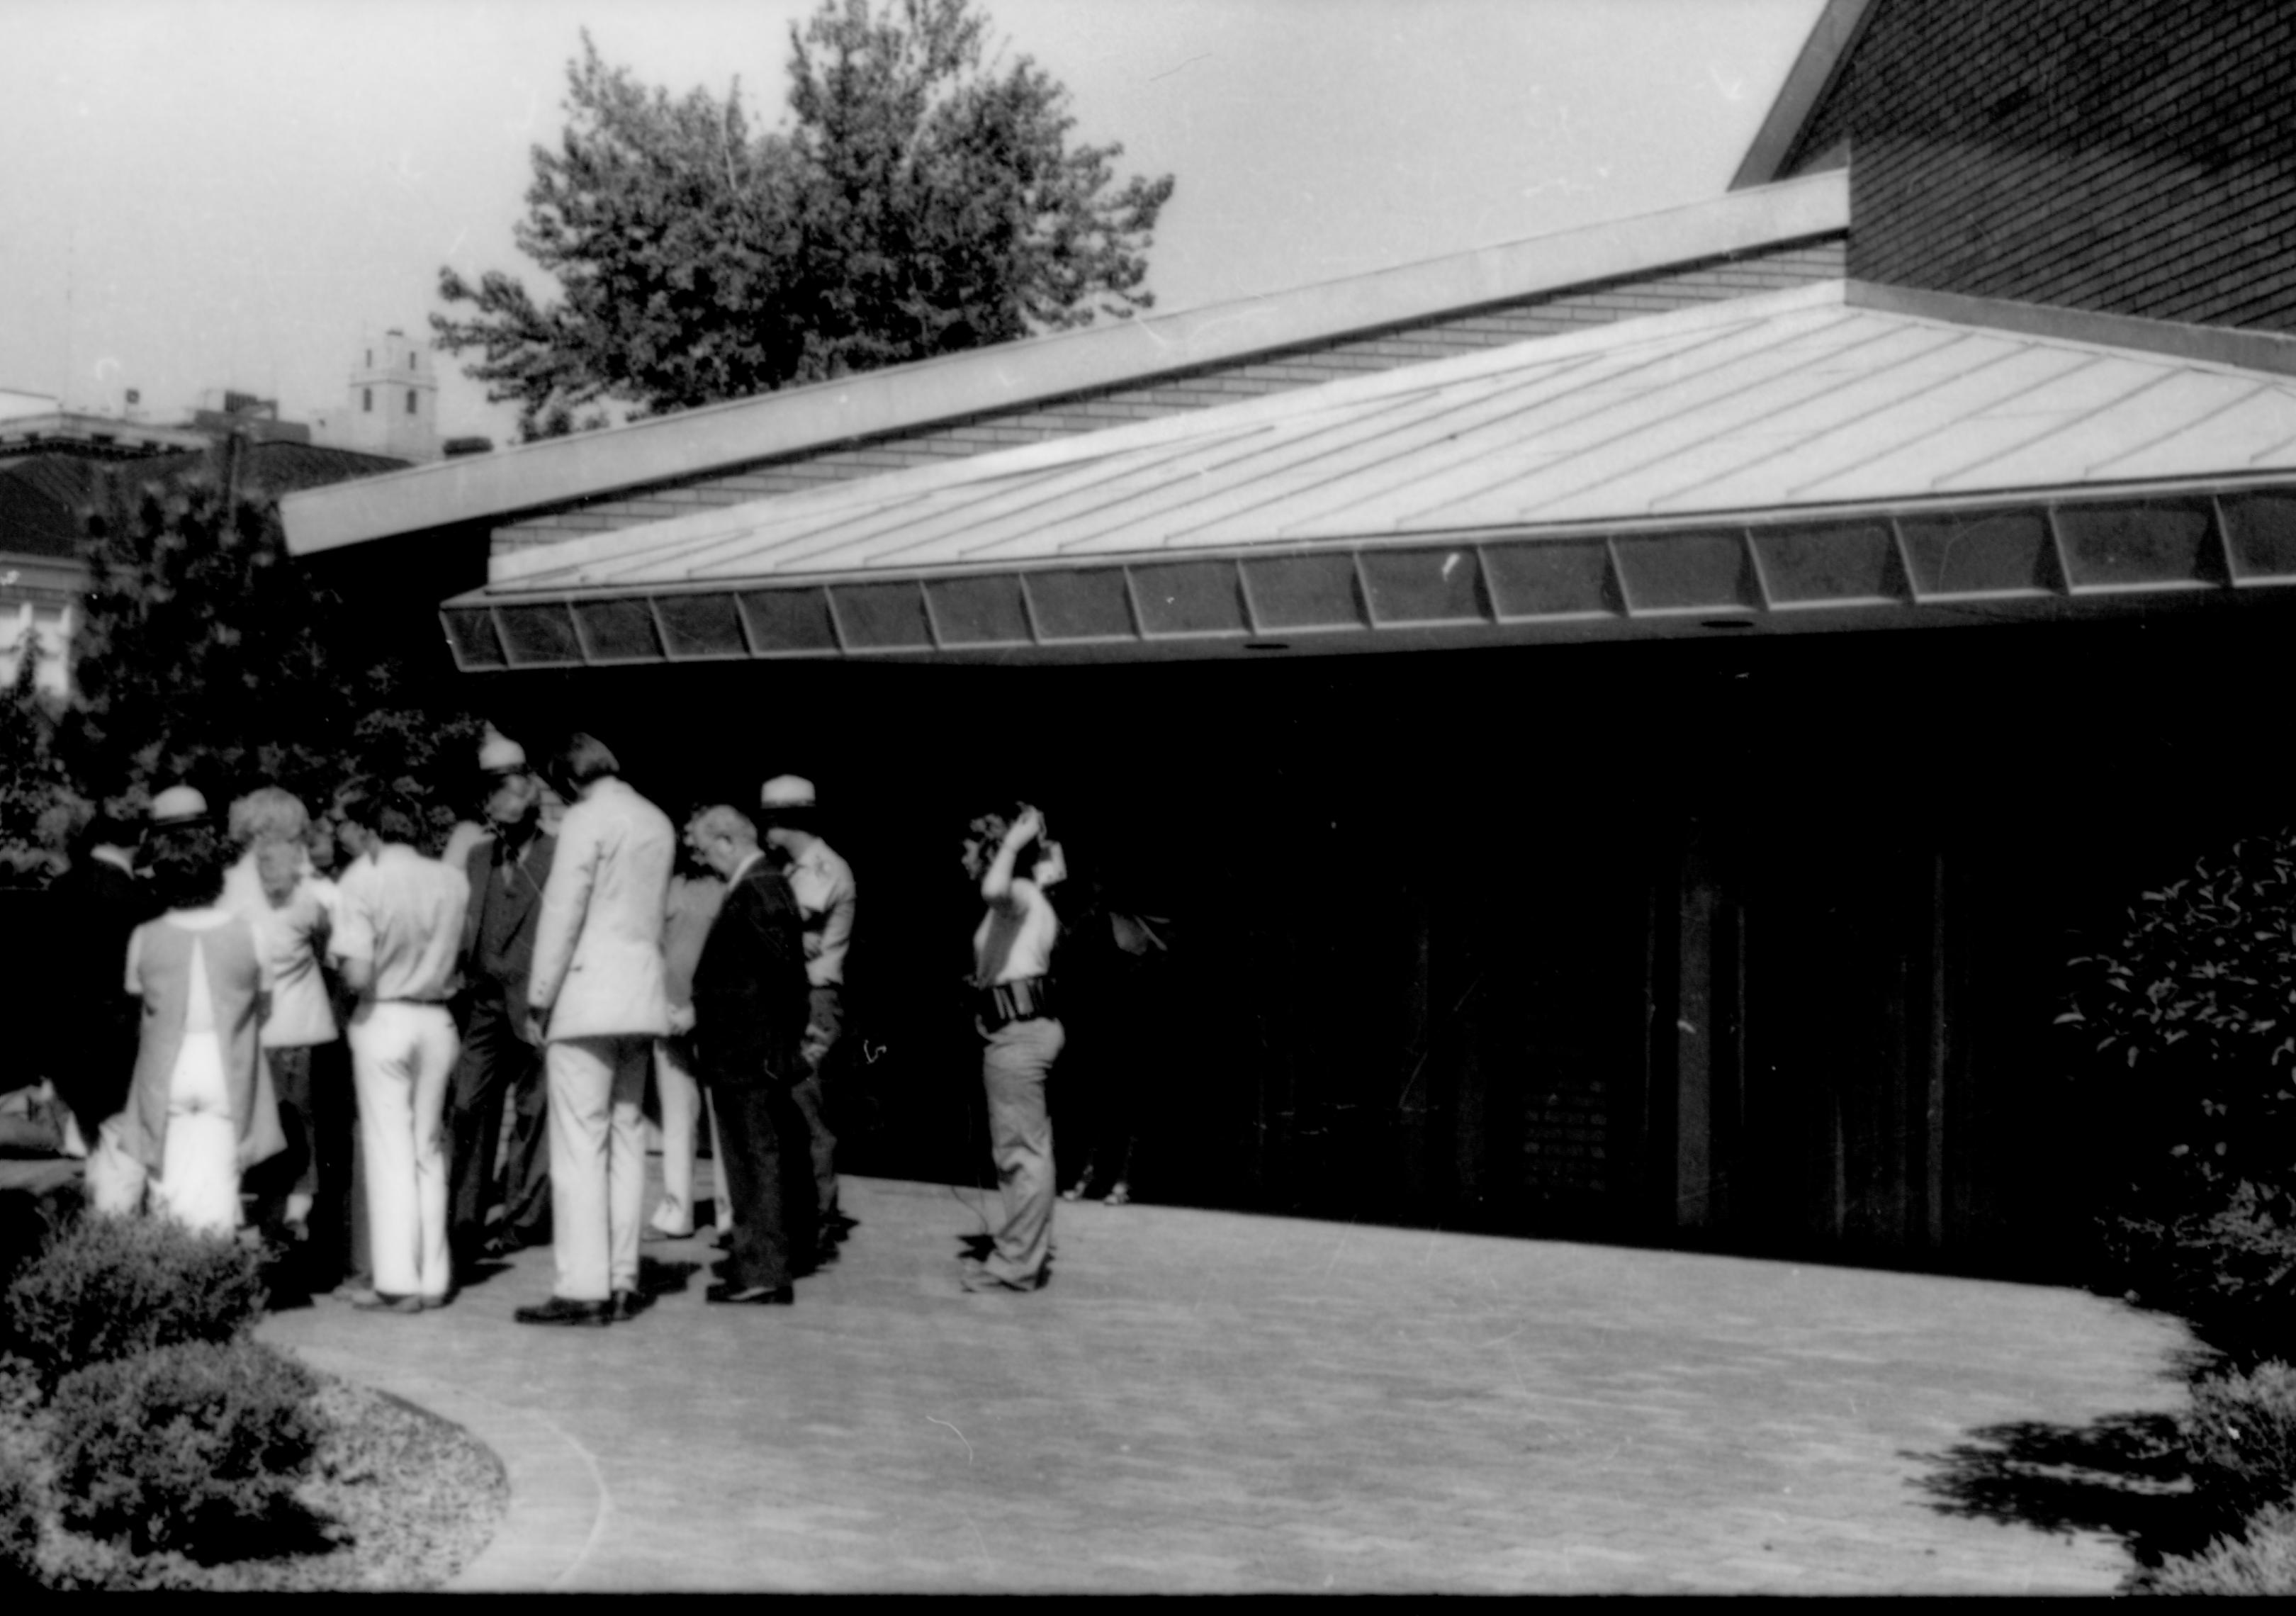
752 1002
507 871
99 902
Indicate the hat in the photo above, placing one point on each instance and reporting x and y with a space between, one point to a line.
786 794
501 755
178 805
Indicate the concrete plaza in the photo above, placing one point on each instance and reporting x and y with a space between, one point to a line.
1207 1402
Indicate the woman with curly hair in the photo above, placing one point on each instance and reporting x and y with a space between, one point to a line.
274 889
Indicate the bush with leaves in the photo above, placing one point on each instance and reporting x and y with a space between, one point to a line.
195 1447
2185 1032
2240 1437
110 1288
2259 1558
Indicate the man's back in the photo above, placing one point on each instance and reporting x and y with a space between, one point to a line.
402 913
597 949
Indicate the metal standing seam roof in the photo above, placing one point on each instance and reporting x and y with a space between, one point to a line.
1013 376
1795 460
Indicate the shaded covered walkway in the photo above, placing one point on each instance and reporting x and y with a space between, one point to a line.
1208 1401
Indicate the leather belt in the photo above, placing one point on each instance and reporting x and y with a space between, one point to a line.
1026 1000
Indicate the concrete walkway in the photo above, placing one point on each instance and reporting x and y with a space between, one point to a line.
1207 1402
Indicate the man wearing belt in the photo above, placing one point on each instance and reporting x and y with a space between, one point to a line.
1012 960
597 988
506 870
822 883
399 928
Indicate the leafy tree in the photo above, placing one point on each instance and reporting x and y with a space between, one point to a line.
207 654
923 199
38 804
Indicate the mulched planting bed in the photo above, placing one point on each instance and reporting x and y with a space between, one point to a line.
398 1498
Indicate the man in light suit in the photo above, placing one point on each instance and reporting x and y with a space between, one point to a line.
597 995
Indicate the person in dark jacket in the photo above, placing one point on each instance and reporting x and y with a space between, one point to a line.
507 871
750 1008
101 903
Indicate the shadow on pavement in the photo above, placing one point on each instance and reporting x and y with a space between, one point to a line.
2123 1474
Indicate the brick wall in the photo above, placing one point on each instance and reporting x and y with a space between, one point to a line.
1776 269
2136 157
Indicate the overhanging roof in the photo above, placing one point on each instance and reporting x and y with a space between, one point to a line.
1015 375
1839 455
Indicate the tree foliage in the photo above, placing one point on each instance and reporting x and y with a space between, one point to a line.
2183 1028
924 197
205 653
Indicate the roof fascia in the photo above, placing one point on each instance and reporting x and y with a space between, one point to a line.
2205 344
1015 375
1824 54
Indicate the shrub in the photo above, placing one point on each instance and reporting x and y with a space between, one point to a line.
113 1287
2182 1029
2240 1437
195 1447
2260 1560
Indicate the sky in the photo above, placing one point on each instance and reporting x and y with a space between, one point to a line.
201 194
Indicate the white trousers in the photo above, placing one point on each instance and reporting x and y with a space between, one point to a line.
402 1057
198 1185
685 1109
597 1161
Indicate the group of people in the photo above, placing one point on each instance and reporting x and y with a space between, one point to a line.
525 989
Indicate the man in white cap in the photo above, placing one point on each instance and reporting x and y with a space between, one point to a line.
824 885
507 868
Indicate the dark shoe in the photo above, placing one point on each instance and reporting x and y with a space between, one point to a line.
500 1246
375 1301
628 1304
559 1311
753 1296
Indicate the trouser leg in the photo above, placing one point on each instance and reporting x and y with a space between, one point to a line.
526 1174
481 1083
751 1180
681 1111
293 1172
1014 1066
432 1048
581 1078
382 1073
626 1158
824 1032
334 1140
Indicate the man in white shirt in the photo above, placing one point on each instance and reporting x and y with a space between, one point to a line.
399 930
823 887
1013 962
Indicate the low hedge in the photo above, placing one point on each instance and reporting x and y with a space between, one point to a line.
109 1288
195 1447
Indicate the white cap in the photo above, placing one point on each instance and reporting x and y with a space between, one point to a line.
178 805
786 791
501 755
